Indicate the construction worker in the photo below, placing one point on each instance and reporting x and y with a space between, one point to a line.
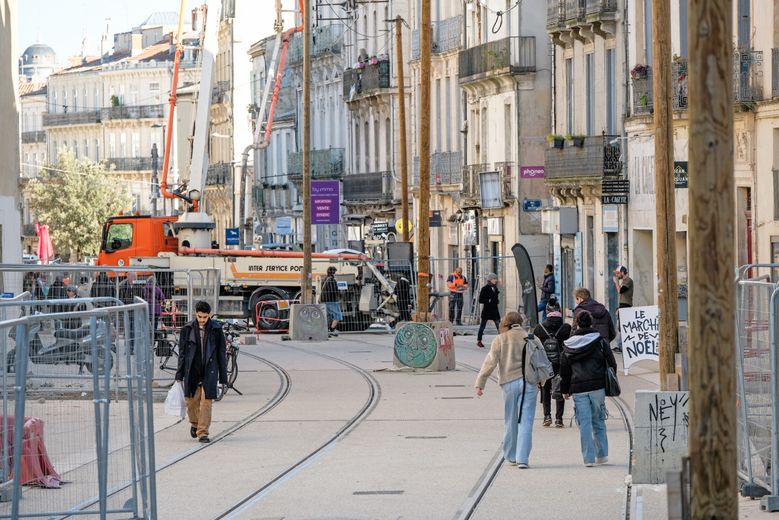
457 286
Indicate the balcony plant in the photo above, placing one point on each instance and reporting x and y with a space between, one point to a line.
556 140
577 139
640 71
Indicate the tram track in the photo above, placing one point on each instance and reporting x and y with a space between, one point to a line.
374 394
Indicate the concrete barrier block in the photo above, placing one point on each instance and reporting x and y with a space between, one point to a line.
424 345
308 322
660 437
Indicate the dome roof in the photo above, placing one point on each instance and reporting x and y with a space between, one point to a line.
39 53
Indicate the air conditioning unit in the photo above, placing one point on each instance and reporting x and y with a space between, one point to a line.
560 221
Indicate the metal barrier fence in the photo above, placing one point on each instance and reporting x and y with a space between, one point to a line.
756 363
77 409
170 307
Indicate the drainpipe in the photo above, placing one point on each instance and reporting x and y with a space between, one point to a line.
624 135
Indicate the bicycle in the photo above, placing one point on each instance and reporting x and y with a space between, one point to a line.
232 332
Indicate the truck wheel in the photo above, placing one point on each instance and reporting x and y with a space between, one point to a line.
270 316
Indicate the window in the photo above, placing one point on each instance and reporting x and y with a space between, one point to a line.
154 90
76 108
367 150
448 113
569 96
611 110
86 149
97 98
683 27
75 148
97 150
86 101
119 236
122 145
357 150
64 101
53 107
507 132
776 194
590 80
648 31
136 151
112 146
376 145
388 144
438 128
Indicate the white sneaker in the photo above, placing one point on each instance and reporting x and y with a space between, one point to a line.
589 464
522 465
601 460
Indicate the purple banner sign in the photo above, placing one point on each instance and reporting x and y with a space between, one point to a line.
531 172
325 202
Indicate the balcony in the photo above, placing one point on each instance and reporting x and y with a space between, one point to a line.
325 164
219 92
475 176
360 83
596 158
444 169
509 56
37 136
326 41
747 75
218 174
555 15
580 19
643 96
131 164
89 117
133 112
446 36
375 187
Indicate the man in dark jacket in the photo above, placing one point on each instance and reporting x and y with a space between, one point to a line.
201 362
583 365
547 289
488 297
330 297
552 327
601 319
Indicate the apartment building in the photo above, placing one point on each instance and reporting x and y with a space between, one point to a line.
32 104
585 167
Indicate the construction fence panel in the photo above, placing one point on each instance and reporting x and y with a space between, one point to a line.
77 408
757 315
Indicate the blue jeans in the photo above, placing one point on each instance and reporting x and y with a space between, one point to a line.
518 438
590 412
542 308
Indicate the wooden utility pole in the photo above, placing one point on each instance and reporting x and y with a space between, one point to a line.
306 152
712 375
666 195
402 126
423 224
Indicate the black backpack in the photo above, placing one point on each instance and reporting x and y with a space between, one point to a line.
552 345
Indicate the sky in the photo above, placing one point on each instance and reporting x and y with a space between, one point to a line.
63 24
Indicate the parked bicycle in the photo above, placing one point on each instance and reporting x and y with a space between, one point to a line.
232 331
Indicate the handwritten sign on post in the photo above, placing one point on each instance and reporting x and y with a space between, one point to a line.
639 328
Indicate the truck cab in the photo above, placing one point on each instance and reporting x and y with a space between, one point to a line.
128 236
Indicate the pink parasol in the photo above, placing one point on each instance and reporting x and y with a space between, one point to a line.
45 248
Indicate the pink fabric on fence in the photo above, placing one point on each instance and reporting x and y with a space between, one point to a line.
36 468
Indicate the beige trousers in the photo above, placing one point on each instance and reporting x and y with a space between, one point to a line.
199 411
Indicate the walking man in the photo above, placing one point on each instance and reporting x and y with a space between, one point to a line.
330 298
457 286
201 362
488 297
624 286
601 319
547 289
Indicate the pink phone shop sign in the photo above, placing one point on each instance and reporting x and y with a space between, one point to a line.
531 172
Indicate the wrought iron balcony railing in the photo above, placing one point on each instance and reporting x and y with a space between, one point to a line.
36 136
643 96
133 112
369 187
325 164
218 174
512 55
219 92
325 40
131 164
747 75
445 168
88 117
358 83
599 156
446 36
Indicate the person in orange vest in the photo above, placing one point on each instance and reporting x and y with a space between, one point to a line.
457 286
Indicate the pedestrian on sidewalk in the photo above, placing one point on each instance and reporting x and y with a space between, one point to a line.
624 286
547 289
488 297
330 297
582 370
519 397
201 362
457 286
601 319
552 333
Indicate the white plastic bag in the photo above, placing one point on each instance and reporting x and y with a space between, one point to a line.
175 404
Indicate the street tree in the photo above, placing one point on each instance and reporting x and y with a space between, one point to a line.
74 197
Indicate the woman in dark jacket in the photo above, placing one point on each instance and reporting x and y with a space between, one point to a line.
488 296
554 327
583 371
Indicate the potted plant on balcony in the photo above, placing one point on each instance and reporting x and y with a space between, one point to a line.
577 139
556 140
640 71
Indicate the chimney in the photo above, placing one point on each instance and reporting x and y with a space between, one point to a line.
137 43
